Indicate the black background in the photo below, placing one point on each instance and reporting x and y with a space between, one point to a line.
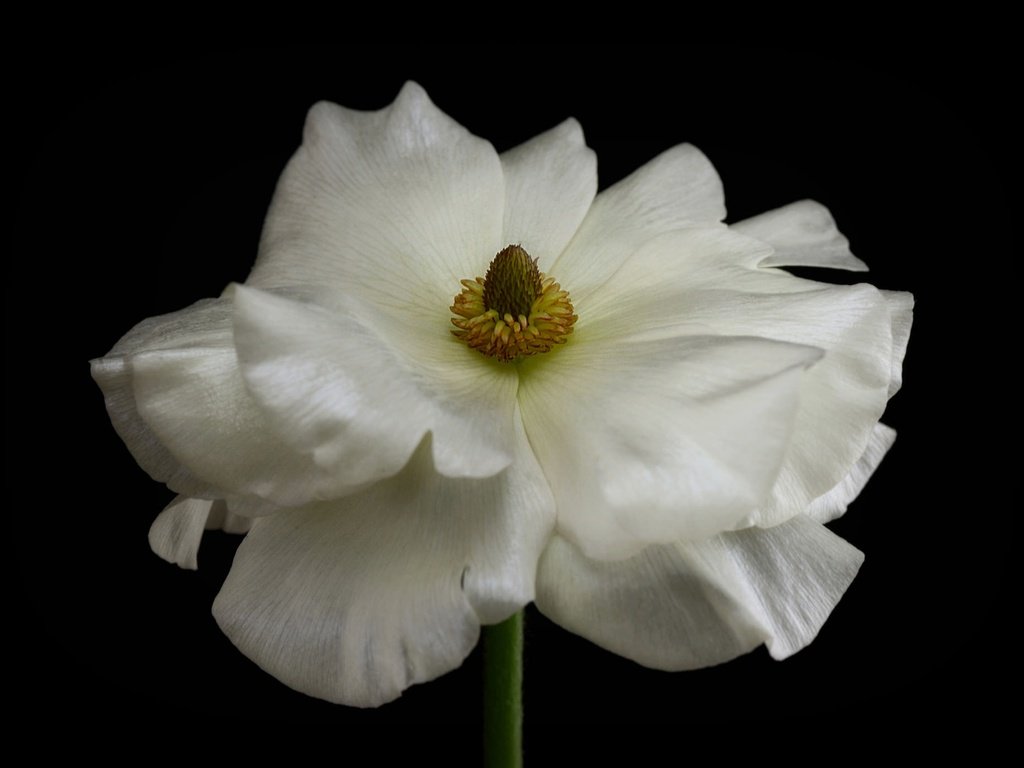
140 183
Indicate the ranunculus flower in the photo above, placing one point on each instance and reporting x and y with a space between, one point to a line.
634 418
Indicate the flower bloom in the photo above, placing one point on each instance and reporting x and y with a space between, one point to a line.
634 417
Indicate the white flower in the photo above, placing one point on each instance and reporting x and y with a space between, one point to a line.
657 483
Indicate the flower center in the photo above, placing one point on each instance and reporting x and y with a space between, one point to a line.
515 311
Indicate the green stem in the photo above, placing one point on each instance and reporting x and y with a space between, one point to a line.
503 693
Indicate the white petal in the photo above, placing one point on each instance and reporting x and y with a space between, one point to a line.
355 600
381 214
550 182
706 281
685 606
177 531
788 578
659 441
803 234
222 518
834 503
205 323
678 188
842 398
663 285
334 390
901 309
195 400
655 608
254 506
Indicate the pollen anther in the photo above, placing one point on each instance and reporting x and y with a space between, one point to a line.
516 311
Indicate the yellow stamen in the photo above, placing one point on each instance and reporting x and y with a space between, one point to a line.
516 311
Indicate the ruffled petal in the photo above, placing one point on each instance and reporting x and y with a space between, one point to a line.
706 281
833 504
177 398
685 606
842 398
678 188
177 531
550 182
355 600
901 310
206 323
196 402
334 390
381 214
658 441
803 234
